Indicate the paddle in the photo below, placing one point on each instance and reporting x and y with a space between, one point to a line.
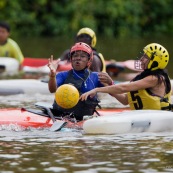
57 125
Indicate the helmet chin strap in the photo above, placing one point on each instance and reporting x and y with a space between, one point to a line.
84 68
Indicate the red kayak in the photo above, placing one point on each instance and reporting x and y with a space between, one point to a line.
37 118
39 64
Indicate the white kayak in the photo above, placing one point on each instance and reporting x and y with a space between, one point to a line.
23 86
130 122
8 66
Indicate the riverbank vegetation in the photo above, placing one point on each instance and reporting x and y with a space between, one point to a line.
110 18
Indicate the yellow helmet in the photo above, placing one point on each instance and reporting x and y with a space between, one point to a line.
89 32
158 55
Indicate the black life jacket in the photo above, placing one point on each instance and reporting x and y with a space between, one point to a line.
82 108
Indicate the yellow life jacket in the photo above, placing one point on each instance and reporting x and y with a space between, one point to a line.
103 62
141 99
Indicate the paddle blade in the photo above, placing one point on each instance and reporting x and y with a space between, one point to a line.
57 126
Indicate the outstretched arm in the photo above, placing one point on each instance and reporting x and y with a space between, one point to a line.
118 91
93 92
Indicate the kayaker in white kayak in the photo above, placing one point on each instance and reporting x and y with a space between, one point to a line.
88 36
151 89
81 56
8 47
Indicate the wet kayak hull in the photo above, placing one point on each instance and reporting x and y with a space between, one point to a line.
27 119
130 122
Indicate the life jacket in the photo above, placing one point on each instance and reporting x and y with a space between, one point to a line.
144 99
82 108
100 56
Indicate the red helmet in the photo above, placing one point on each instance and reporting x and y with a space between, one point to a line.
83 47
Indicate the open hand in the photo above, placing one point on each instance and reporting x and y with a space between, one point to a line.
53 65
90 94
105 79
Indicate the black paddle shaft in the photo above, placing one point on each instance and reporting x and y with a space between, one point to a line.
57 125
50 114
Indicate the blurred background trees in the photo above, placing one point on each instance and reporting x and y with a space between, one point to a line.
110 18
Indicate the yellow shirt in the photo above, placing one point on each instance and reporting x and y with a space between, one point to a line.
12 50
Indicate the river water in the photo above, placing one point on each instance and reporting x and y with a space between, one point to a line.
72 151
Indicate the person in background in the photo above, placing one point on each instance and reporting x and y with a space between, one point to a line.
8 47
88 36
81 57
151 89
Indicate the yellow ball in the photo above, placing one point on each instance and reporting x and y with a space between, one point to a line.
67 96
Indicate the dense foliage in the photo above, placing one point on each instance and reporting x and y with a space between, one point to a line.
117 18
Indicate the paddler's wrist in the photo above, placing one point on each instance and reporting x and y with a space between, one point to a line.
96 90
51 76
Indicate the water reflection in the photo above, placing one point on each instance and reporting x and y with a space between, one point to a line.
73 151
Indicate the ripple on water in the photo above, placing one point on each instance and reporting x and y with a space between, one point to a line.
21 100
10 156
30 150
56 169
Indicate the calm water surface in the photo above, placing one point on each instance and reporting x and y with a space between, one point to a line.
72 151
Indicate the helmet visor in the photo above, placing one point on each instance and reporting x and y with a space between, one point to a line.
141 59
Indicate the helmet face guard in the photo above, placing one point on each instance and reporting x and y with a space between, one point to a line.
157 55
85 48
138 62
89 32
137 65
